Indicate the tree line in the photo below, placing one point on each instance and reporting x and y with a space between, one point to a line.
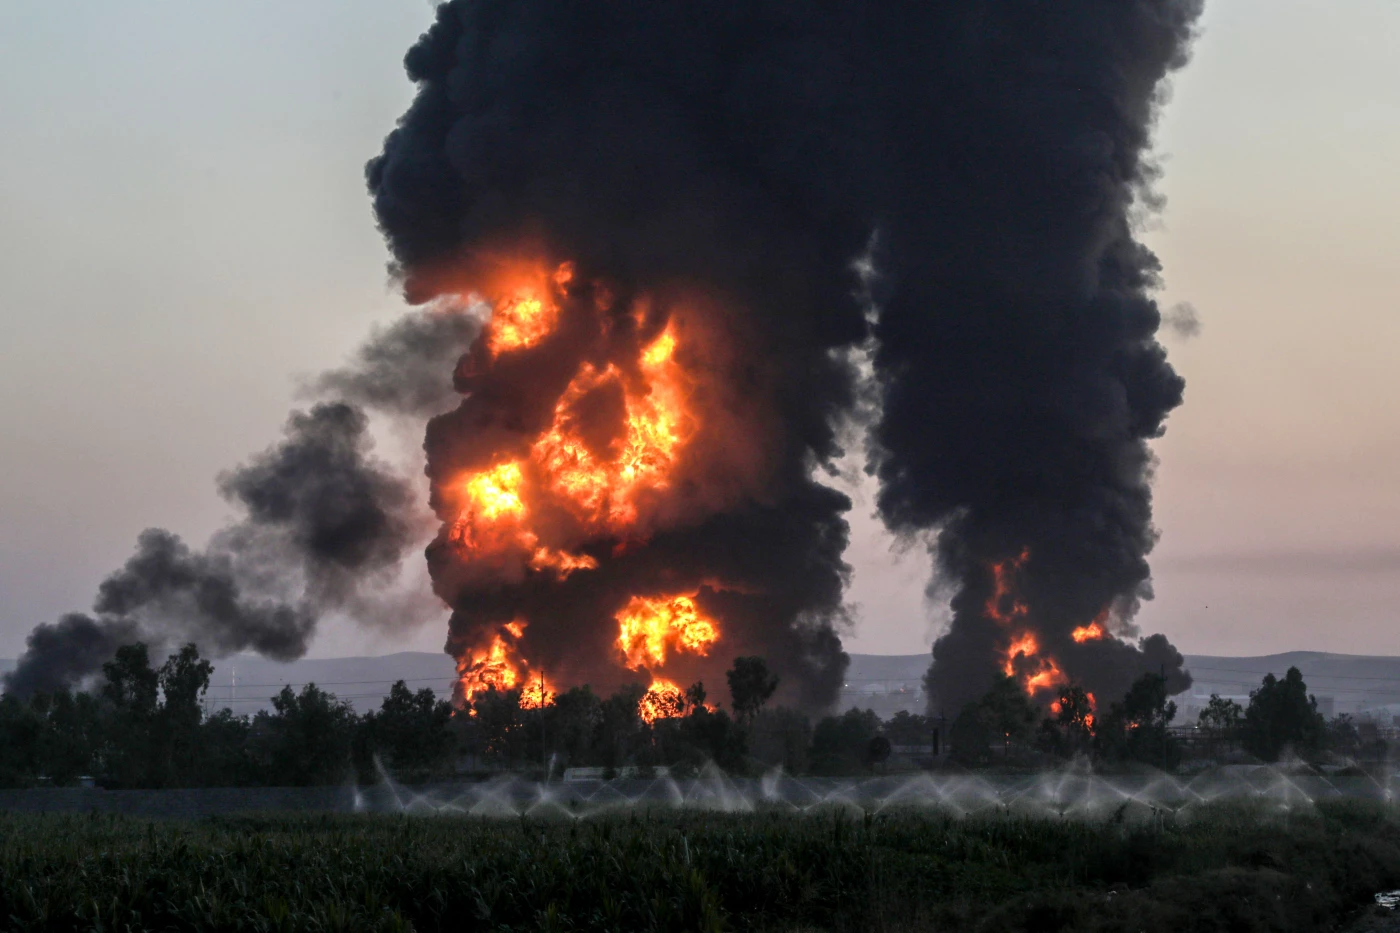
1281 717
146 726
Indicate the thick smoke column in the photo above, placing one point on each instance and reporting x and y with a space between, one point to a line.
1016 353
326 528
679 158
715 168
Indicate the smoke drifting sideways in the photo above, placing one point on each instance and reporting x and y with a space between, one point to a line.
326 528
724 165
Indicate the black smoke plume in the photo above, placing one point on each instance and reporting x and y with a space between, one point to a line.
405 369
1016 354
747 153
326 527
325 524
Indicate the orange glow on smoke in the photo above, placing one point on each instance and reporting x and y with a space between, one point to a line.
1002 607
1024 645
595 474
561 561
663 700
1024 662
1091 632
537 693
500 667
601 489
1048 676
491 669
1023 659
526 311
496 492
648 627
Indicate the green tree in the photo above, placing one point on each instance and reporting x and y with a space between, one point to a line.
781 736
494 727
572 722
1070 731
906 728
1137 728
1003 716
226 758
751 685
410 733
1281 714
840 744
20 728
71 735
1220 720
621 732
1343 738
306 739
131 688
177 747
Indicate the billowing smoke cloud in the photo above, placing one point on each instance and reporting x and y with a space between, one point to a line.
405 369
65 652
1016 352
325 526
723 165
681 157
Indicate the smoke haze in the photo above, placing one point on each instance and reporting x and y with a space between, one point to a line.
327 527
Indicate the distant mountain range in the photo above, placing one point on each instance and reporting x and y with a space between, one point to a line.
1343 683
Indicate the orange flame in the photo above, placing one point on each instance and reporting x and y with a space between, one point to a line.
1088 718
656 423
598 486
648 627
561 561
618 434
500 667
491 669
1002 607
663 700
1091 632
1023 660
496 492
526 311
537 693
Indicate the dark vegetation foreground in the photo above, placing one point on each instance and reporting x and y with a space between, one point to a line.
1235 868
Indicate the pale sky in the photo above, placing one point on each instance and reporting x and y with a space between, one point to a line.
184 231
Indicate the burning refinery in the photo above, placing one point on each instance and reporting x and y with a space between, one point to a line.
599 424
661 289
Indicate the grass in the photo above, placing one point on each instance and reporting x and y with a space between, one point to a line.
1230 868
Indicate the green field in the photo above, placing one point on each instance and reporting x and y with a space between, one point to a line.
1232 867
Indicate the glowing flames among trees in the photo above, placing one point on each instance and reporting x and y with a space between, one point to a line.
663 700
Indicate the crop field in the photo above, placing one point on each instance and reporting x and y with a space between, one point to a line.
1235 866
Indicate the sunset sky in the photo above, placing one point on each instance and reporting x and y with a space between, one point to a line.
184 234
